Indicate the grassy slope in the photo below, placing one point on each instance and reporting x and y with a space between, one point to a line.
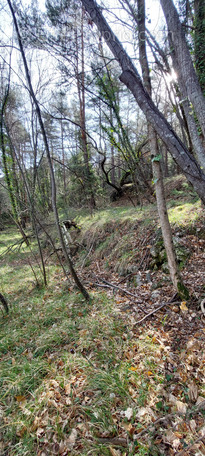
79 379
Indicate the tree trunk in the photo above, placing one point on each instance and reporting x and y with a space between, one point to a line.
156 167
80 77
199 41
45 140
112 155
130 77
182 61
7 175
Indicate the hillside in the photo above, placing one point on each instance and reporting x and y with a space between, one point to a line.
122 375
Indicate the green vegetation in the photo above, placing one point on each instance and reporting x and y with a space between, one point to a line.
79 378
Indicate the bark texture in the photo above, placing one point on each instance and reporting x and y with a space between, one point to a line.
199 41
182 61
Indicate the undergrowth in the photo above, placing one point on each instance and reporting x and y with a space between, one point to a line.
77 379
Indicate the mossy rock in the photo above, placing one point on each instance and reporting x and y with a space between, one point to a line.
165 268
159 256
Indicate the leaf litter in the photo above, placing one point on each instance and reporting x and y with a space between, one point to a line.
117 388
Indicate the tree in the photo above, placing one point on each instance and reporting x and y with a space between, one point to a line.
80 79
46 144
9 166
118 135
182 61
199 41
156 167
131 78
70 46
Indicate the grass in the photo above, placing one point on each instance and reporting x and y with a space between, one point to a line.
185 214
71 371
102 217
61 358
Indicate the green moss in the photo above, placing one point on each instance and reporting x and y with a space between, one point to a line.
183 291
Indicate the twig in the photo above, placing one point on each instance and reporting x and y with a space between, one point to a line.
98 267
111 285
90 362
202 438
115 441
168 417
154 311
100 285
90 250
119 288
127 277
16 245
162 418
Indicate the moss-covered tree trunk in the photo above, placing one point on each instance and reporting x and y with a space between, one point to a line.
199 41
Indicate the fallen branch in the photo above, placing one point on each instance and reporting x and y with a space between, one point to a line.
156 310
152 425
202 438
111 285
101 285
17 245
169 416
115 441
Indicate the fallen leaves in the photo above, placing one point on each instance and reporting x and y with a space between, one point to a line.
20 399
128 413
193 392
72 439
184 307
181 407
114 452
171 439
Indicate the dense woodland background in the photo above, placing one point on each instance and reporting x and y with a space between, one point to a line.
102 188
71 132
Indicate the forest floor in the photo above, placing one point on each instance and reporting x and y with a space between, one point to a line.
105 377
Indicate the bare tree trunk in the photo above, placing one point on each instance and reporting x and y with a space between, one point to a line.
156 167
164 219
7 176
196 140
130 77
80 77
32 213
63 157
182 61
186 118
69 261
165 159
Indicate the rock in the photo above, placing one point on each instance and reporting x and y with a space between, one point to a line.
148 277
155 295
154 252
165 268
